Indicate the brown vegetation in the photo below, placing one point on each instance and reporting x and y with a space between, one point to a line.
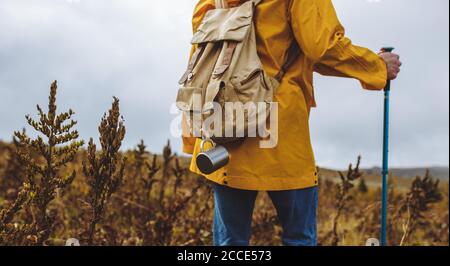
51 191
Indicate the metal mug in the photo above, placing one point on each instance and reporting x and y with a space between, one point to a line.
212 160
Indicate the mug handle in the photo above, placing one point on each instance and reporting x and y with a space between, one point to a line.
202 144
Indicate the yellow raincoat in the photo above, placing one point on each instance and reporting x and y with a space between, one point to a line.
324 49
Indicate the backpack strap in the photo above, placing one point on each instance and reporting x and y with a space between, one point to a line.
226 61
291 55
224 3
221 4
228 45
256 2
195 56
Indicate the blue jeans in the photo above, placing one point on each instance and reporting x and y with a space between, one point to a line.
233 213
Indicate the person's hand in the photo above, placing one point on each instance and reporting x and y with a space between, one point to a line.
393 64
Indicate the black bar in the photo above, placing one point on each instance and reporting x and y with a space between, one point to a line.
223 256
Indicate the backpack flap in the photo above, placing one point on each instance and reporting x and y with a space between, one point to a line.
231 24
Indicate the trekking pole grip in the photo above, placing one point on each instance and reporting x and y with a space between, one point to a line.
387 50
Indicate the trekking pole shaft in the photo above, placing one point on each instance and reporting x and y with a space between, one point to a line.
385 171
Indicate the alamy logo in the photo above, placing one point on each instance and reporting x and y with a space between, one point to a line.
72 242
373 242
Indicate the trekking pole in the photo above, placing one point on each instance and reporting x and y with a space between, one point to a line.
385 171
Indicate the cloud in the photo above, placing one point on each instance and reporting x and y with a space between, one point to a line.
137 49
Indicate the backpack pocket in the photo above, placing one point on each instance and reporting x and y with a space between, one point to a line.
253 86
190 99
190 102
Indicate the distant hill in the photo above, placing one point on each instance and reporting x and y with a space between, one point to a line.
402 176
436 172
441 173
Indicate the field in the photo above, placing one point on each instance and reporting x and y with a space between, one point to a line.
54 187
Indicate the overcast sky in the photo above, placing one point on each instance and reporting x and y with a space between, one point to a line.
137 50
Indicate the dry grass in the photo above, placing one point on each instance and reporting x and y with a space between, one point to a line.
50 191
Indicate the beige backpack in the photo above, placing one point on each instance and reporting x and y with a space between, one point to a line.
225 71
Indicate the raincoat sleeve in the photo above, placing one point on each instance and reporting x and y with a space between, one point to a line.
199 12
321 37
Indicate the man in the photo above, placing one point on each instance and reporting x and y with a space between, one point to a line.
288 171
